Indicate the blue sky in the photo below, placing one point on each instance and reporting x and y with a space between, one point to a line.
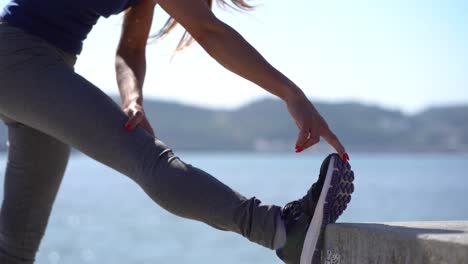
398 54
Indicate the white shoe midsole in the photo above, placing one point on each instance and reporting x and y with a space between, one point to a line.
313 232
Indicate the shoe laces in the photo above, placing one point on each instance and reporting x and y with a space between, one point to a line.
309 201
292 211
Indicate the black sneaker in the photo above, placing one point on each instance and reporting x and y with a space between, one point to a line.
306 218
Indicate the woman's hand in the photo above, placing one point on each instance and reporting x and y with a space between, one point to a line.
130 63
311 125
136 116
232 51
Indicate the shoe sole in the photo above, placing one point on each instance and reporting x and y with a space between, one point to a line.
334 197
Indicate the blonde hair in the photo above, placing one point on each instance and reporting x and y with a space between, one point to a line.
186 40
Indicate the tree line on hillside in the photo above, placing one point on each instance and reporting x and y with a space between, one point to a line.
265 125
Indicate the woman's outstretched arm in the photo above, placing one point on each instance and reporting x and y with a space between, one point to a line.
130 62
232 51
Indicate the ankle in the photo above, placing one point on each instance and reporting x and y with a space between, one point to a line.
280 234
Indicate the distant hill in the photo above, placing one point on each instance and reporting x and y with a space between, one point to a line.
265 125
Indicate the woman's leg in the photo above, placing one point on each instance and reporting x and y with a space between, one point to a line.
37 89
36 163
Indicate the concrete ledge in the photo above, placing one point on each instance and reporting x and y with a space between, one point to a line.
395 243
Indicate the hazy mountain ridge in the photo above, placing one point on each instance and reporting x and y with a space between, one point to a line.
266 126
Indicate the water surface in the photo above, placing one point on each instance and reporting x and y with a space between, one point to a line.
100 216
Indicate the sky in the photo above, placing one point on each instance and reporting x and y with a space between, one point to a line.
400 54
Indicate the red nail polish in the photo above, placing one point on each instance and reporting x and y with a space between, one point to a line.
299 149
128 127
345 157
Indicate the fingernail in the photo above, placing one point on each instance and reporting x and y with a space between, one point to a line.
128 127
299 149
345 157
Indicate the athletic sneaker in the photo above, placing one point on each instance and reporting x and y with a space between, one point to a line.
305 219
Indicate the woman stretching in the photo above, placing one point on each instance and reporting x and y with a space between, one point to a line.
48 108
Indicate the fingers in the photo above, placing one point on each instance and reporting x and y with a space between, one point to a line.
301 140
306 139
314 138
133 120
309 138
333 140
139 119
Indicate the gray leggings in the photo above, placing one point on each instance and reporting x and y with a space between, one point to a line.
48 108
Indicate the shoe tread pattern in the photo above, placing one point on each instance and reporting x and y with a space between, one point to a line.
338 197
